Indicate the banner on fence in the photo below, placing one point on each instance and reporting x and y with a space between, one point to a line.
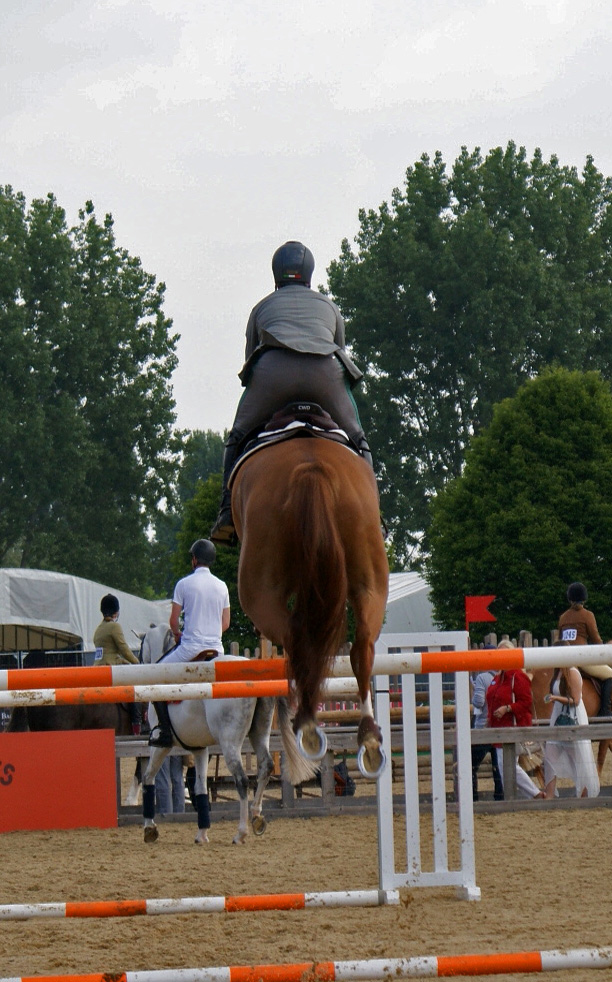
57 780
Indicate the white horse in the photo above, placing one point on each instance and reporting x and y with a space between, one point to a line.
198 724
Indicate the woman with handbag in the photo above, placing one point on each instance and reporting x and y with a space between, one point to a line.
509 703
573 760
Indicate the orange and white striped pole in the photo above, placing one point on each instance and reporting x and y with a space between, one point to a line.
425 966
254 669
89 695
203 905
70 677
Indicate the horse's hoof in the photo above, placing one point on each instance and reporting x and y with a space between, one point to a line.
239 838
371 761
258 824
151 833
312 742
201 838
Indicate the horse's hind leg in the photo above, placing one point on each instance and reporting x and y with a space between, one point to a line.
371 758
233 759
259 735
151 832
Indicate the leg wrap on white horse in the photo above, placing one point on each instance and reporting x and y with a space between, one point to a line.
203 810
148 801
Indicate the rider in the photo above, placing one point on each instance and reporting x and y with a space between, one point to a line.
203 600
113 649
577 625
295 349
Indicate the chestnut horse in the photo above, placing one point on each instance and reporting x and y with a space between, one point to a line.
307 514
540 685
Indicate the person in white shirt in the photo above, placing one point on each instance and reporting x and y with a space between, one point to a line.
203 601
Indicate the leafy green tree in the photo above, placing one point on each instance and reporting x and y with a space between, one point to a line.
532 510
88 448
198 517
201 456
462 287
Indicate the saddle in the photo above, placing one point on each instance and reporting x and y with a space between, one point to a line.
596 683
297 419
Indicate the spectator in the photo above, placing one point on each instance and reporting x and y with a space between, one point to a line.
577 625
170 786
509 703
569 759
480 750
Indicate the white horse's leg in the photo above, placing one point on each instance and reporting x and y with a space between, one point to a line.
131 797
233 758
201 795
151 832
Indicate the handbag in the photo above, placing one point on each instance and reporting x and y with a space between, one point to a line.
566 717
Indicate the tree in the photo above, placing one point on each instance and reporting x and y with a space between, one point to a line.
198 517
532 510
459 290
201 457
87 443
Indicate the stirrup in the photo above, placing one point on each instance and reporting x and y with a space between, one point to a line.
163 738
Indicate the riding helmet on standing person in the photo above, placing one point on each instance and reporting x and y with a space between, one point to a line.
577 625
295 350
113 649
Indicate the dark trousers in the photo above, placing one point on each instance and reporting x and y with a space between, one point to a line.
479 752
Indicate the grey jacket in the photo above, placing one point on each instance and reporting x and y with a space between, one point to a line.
300 319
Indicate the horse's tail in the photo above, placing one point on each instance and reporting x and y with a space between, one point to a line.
18 720
319 580
298 768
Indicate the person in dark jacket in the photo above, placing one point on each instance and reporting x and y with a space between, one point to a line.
295 350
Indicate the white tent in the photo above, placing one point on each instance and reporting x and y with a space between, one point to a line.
54 611
409 609
51 611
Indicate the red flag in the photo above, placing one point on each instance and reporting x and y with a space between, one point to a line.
476 609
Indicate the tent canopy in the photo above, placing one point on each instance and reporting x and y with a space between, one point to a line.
409 608
53 611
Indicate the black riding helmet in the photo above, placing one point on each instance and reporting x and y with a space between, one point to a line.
292 263
577 593
204 552
109 605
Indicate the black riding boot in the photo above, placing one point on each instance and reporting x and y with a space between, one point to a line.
605 708
223 532
161 734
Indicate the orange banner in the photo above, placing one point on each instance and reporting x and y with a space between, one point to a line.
58 780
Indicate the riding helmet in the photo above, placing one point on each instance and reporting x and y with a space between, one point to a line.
292 263
204 552
577 593
109 605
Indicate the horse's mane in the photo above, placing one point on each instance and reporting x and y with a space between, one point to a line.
155 643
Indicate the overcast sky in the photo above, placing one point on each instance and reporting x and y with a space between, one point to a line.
214 131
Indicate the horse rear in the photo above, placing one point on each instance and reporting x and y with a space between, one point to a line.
307 514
